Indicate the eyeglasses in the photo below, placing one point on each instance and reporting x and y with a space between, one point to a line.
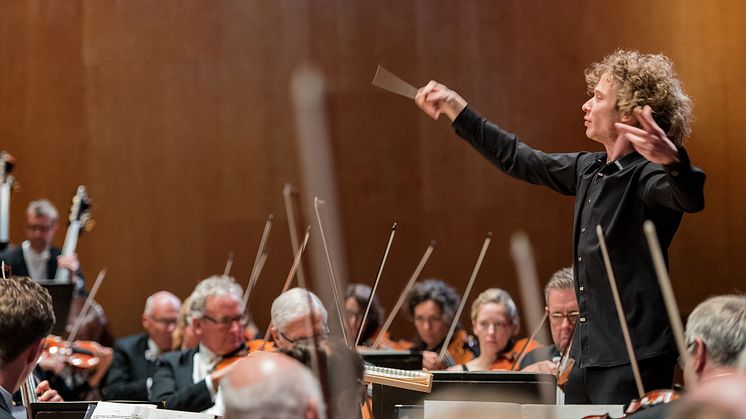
42 228
421 320
557 317
226 322
165 322
302 339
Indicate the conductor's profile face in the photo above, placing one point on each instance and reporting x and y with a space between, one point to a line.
601 112
429 322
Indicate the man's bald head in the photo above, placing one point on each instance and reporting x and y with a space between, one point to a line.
252 389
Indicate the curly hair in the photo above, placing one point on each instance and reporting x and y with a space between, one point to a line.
646 79
439 292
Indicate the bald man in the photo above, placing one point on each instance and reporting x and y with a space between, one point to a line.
135 356
271 385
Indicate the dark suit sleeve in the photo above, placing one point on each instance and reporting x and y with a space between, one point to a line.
120 384
194 398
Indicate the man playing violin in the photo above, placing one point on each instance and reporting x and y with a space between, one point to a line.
563 312
297 316
135 356
639 113
36 257
188 380
26 318
715 336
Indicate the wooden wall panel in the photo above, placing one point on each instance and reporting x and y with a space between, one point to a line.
176 115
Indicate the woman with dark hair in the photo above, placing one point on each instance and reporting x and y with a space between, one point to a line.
356 301
432 305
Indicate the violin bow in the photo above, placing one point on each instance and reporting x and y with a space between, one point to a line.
666 289
261 257
335 289
462 303
375 284
86 306
288 193
620 311
296 262
228 264
531 338
528 283
404 293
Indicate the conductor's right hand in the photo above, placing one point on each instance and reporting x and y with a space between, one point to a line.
436 99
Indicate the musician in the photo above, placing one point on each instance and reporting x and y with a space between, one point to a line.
271 385
135 356
26 318
356 301
36 257
715 337
297 315
183 336
563 312
641 116
187 380
432 304
495 322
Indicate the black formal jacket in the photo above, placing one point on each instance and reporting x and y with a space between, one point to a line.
173 385
14 258
129 370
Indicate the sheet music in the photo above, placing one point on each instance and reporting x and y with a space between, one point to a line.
438 409
108 410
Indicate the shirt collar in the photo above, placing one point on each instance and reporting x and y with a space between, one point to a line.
612 167
153 352
7 398
26 246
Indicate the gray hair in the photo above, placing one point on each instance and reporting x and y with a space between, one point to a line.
560 280
284 396
293 304
42 208
160 295
721 324
214 286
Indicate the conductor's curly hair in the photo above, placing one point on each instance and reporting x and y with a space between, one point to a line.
646 79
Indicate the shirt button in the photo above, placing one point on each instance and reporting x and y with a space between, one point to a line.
582 289
582 319
580 259
582 229
600 174
589 201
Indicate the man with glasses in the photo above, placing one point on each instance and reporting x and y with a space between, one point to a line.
135 356
297 315
36 257
188 380
562 309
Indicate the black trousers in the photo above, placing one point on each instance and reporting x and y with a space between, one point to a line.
616 385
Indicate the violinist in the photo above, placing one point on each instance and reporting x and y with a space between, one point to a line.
135 356
495 321
563 312
188 380
432 304
715 336
356 301
294 321
36 257
183 336
640 115
26 318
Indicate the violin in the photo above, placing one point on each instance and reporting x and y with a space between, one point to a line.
243 351
79 354
650 399
507 359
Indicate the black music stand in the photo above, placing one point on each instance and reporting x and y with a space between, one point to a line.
62 296
486 386
387 358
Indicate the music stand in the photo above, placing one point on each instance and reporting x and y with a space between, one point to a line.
60 410
62 296
387 358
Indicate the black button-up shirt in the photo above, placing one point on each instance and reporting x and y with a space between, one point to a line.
618 196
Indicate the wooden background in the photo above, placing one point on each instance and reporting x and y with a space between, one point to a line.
176 115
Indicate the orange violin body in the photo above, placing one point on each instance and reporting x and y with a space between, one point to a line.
79 354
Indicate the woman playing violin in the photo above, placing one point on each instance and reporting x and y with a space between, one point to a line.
432 304
356 301
495 322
